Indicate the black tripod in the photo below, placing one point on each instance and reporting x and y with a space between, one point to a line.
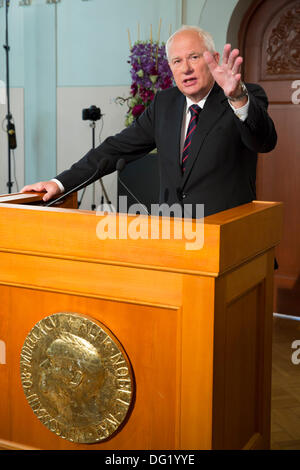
93 207
10 127
93 114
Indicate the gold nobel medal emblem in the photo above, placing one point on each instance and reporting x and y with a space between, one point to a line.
76 377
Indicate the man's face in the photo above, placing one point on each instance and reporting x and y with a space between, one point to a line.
190 71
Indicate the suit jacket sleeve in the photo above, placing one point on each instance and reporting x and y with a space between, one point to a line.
257 131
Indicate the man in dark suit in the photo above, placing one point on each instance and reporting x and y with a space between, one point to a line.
207 131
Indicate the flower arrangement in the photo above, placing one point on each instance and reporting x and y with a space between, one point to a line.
150 72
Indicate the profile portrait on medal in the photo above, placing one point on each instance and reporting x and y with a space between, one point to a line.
72 377
76 377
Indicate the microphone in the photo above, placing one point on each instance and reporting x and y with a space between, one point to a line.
101 167
119 167
12 140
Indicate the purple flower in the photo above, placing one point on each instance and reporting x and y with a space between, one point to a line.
137 110
146 94
150 72
167 83
133 89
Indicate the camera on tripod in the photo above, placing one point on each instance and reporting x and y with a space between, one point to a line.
91 114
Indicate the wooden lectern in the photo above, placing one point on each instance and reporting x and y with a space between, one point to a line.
196 325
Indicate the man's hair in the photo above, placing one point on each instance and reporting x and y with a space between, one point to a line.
207 38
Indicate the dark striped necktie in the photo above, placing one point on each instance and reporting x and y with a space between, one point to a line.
195 111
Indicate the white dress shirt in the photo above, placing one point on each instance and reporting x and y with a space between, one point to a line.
59 184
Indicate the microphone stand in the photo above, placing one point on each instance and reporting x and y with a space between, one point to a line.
11 136
100 168
119 167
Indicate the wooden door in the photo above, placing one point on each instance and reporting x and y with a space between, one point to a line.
270 43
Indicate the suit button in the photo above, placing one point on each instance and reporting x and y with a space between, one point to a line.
181 194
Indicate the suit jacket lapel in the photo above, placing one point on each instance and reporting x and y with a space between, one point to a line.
211 112
175 110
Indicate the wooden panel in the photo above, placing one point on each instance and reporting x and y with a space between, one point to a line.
157 396
8 445
267 40
250 233
279 179
287 295
37 198
48 230
197 362
254 226
265 346
241 371
19 198
5 402
92 279
242 356
245 278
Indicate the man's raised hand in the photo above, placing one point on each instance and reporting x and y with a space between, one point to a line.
228 73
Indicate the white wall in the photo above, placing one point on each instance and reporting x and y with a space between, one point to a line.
211 15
